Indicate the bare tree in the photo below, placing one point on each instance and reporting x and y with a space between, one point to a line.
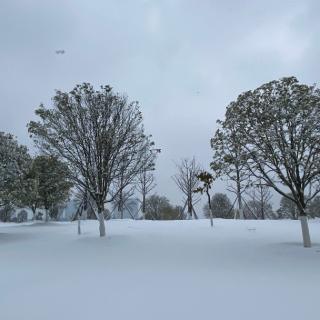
146 183
278 126
187 181
146 180
95 132
260 196
121 200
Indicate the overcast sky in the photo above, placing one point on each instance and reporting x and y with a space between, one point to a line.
184 61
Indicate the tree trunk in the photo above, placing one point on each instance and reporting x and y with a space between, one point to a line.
121 210
189 210
47 215
144 206
194 213
102 227
120 206
79 225
239 197
305 231
34 212
240 206
210 209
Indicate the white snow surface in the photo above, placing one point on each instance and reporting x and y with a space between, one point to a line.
159 270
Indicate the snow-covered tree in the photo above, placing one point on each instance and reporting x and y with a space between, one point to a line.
29 189
53 182
95 132
278 126
14 163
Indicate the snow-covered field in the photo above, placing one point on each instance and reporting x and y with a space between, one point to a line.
159 270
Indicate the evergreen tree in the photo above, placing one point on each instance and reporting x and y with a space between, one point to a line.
29 189
14 164
221 207
53 182
159 208
288 209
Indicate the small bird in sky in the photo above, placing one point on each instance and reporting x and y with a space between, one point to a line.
60 51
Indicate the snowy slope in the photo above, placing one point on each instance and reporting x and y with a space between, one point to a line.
159 270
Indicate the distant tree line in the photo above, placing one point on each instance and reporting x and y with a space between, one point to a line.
93 141
255 209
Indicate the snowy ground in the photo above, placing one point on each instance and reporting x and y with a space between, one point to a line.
159 270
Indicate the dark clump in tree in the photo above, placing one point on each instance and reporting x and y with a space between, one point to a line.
206 179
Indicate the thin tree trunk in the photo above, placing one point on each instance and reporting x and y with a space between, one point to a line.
79 221
102 227
144 206
240 205
239 197
189 210
79 225
121 210
120 207
194 213
210 209
262 203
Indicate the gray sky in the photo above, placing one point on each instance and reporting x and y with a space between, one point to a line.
184 61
